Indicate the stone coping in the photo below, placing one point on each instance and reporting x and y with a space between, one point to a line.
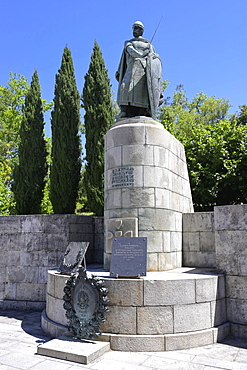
136 120
175 274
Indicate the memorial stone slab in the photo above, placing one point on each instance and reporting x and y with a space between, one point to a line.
129 257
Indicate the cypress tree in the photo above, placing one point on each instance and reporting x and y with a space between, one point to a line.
99 116
65 122
29 175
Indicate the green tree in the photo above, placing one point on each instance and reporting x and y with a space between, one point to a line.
65 123
46 206
217 164
241 117
181 114
7 203
99 116
216 148
29 174
12 98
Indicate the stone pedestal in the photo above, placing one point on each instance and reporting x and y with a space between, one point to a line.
146 190
166 310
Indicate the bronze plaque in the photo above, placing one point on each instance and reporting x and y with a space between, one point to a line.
73 257
129 257
85 300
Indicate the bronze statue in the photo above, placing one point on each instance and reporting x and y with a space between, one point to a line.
140 77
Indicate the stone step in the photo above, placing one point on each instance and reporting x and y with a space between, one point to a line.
76 350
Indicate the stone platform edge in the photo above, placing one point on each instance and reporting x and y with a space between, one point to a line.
8 304
149 343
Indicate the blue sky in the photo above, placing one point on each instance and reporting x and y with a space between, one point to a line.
202 44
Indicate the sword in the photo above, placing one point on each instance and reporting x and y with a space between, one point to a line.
156 28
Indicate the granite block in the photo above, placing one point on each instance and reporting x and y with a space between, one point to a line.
120 320
188 340
168 292
192 317
128 297
137 343
154 320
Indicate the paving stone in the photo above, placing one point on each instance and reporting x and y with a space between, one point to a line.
20 332
17 359
164 363
53 364
216 363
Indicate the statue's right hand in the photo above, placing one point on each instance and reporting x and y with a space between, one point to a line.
117 76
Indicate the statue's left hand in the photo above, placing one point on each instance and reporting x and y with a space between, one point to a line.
117 76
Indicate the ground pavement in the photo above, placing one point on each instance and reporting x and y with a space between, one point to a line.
20 334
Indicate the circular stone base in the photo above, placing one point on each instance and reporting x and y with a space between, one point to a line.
169 310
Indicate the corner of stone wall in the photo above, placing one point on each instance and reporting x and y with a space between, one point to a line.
198 240
88 229
231 258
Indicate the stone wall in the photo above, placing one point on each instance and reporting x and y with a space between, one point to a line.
31 245
219 239
198 240
231 257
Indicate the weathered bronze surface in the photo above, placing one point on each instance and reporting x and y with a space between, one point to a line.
140 77
85 302
73 257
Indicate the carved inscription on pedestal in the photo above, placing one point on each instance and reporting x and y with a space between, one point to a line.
120 227
123 177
